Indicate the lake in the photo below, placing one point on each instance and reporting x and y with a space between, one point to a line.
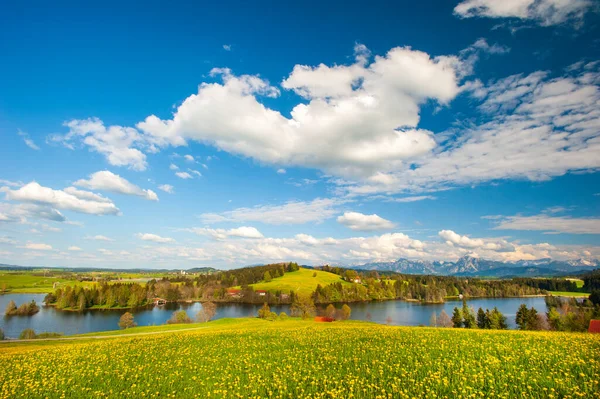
401 313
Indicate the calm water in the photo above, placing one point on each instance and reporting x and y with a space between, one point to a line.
401 313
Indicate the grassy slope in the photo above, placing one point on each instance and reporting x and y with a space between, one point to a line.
301 281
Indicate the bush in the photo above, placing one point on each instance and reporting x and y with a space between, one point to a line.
28 333
283 316
208 311
264 312
346 312
179 317
48 335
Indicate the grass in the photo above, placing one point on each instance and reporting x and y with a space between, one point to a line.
570 294
252 358
300 281
578 282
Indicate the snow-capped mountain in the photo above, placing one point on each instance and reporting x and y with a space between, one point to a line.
472 266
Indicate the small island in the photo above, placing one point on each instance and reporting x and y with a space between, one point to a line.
26 309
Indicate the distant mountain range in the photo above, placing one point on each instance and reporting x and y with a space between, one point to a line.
471 266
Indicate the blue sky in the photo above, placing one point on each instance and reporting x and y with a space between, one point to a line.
180 135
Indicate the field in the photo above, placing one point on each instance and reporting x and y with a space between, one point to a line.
301 281
252 358
38 282
570 294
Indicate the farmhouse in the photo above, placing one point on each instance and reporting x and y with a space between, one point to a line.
159 301
261 292
234 293
594 326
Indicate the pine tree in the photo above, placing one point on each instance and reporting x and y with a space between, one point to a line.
457 319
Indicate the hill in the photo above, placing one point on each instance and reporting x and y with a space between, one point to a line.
300 281
303 359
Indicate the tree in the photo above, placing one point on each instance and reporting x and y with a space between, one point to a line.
350 275
457 319
554 320
264 312
1 334
433 320
330 311
444 320
267 276
469 320
497 321
27 333
315 274
346 312
209 309
595 297
482 319
11 308
179 317
522 316
126 321
303 306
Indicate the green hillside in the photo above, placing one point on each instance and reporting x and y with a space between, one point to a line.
300 281
253 358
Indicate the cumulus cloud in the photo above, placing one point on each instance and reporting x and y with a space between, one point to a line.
108 181
281 171
550 224
360 222
167 188
452 238
221 234
120 145
20 213
82 203
154 238
293 212
74 248
544 12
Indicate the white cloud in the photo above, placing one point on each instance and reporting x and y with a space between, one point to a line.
11 183
544 12
154 238
86 195
20 213
167 188
227 47
183 175
189 158
550 224
307 239
74 248
281 171
195 172
414 198
37 194
349 125
7 240
293 212
38 246
108 181
99 238
552 121
360 222
451 238
117 143
28 141
173 167
221 234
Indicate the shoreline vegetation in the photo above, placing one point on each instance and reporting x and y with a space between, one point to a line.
282 283
25 309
